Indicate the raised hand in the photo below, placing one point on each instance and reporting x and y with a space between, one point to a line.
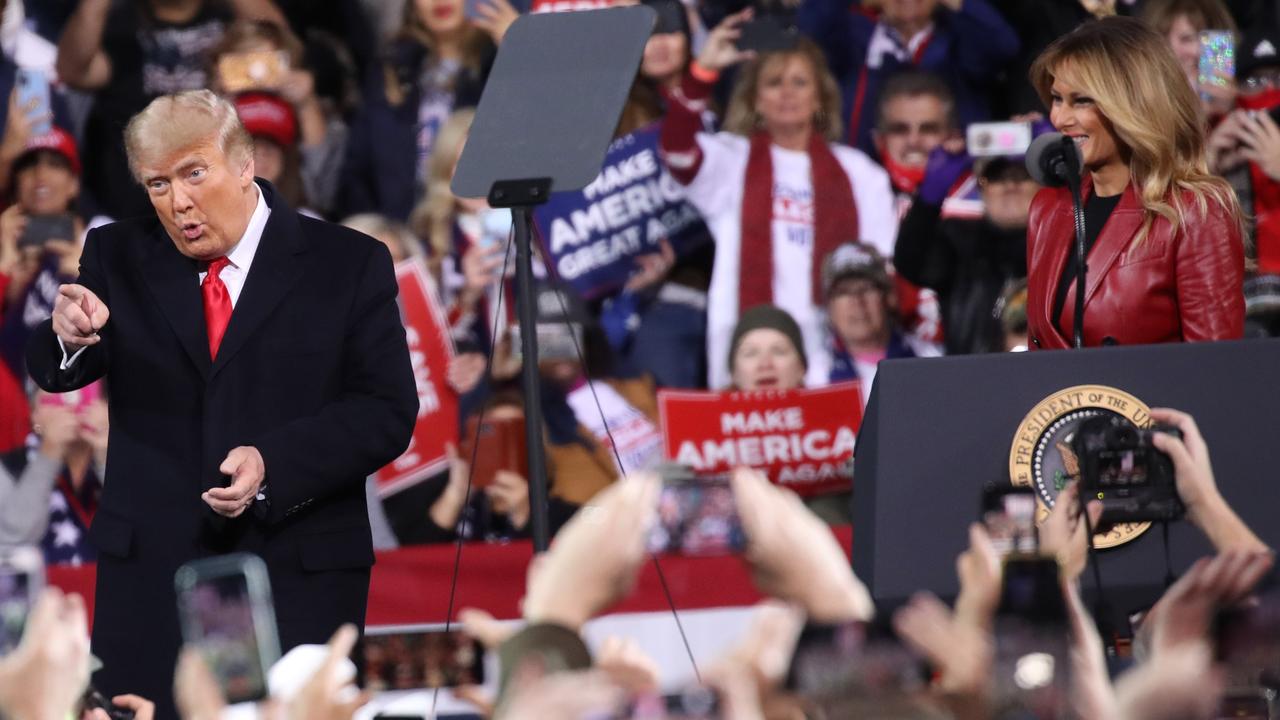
78 316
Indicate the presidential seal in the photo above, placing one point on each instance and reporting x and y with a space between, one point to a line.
1041 457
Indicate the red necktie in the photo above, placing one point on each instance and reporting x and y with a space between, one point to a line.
217 305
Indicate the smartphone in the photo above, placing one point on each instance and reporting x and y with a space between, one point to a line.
34 85
1217 58
501 446
767 34
556 341
225 608
998 139
1009 514
857 669
697 516
21 580
696 702
256 70
1032 662
411 657
41 229
1252 703
1247 641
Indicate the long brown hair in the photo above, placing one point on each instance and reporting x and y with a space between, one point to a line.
741 117
1137 85
1202 14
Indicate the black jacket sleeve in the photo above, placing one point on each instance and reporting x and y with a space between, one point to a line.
44 354
922 254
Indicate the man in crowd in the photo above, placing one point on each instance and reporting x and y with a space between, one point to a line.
861 299
127 53
969 261
239 422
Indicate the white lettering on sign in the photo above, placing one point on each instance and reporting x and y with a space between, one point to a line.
758 421
428 401
807 457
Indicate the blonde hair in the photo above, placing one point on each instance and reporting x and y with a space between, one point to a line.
1138 87
433 217
173 122
475 45
1202 14
742 119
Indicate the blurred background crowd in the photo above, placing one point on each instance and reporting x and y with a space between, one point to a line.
359 110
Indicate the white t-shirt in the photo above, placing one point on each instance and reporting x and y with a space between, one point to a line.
717 193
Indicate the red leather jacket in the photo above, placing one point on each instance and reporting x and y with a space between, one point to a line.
1173 287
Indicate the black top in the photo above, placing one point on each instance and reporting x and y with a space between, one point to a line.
1096 211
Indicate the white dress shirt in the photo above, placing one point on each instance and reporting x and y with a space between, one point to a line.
233 275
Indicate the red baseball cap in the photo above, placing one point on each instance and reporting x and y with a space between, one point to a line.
267 116
59 141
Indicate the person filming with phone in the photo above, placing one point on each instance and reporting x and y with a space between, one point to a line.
258 374
39 238
1164 248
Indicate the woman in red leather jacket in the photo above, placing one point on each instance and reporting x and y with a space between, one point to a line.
1165 251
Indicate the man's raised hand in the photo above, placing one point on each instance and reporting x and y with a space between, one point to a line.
78 315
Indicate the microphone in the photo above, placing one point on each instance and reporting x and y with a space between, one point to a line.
1053 159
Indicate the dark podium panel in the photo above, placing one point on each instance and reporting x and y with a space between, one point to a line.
936 429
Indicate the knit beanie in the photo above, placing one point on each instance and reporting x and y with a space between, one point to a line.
773 318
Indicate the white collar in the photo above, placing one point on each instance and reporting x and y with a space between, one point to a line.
241 256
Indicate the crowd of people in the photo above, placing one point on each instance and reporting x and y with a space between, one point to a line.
1178 668
828 183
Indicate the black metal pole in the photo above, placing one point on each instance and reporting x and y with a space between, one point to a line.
525 304
1074 184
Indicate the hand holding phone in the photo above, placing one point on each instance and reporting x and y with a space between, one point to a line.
998 139
1217 64
21 580
32 95
225 607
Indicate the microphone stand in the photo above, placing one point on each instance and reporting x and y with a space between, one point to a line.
1071 162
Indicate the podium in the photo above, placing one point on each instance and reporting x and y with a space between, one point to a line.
936 429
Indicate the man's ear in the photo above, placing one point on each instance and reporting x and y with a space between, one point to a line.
246 174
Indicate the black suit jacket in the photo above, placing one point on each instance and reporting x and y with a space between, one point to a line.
313 371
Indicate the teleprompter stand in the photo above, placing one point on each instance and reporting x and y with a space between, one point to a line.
547 115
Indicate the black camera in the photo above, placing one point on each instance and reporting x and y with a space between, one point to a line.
1120 466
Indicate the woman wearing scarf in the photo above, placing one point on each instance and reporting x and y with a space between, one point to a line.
775 190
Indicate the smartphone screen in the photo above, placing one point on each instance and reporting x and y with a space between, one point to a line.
34 86
767 34
696 702
998 138
556 341
226 611
40 229
256 70
1246 704
1217 57
697 517
1009 514
21 580
1247 640
858 670
420 656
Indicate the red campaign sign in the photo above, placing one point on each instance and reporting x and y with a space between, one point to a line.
802 439
430 349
